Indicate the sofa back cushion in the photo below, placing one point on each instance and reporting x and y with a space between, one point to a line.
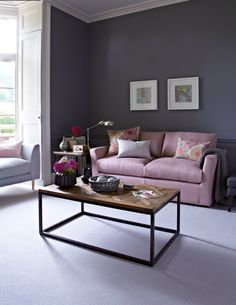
156 139
171 140
8 150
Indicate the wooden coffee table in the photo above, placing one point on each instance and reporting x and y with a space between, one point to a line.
122 200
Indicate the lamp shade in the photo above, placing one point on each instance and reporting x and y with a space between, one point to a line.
108 123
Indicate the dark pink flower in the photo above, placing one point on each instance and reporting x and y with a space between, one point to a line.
65 167
76 131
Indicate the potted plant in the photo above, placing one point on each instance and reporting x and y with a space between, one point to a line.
65 172
76 132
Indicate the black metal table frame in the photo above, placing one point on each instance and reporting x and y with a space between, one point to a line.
153 258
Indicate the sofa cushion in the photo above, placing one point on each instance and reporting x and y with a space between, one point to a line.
190 150
156 141
13 167
122 166
134 149
10 149
128 134
171 139
174 169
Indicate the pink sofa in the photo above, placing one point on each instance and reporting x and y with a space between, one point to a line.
196 184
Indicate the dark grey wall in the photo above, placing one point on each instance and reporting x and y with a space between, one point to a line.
69 74
195 38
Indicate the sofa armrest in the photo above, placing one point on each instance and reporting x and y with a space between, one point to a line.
208 171
31 153
209 165
97 153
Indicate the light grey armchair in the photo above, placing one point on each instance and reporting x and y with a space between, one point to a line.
15 170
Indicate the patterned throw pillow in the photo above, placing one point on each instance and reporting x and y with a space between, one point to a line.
128 134
190 150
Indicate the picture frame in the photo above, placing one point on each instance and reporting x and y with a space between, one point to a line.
183 93
143 95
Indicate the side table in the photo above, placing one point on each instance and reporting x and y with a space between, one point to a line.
231 189
78 156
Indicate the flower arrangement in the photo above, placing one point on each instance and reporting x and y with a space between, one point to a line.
65 166
76 131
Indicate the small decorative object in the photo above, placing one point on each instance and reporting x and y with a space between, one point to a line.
183 93
143 95
87 174
63 145
104 183
128 187
80 148
65 172
76 131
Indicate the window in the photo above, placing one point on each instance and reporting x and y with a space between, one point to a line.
8 49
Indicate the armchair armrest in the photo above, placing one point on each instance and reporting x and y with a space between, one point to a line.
97 153
30 152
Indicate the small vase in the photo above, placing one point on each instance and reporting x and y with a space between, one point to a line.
87 174
63 145
62 180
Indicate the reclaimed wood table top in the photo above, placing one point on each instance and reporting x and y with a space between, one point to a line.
122 198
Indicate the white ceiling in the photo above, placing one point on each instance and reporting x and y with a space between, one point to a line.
94 10
95 7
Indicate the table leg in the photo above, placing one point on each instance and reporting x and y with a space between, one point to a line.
178 213
40 213
82 207
152 239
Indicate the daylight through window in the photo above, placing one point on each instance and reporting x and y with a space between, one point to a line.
8 49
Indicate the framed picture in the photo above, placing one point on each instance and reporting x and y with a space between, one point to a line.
143 95
183 93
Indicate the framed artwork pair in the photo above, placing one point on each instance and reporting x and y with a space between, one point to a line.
183 94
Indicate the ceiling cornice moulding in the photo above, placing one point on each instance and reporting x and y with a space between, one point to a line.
134 8
69 9
129 9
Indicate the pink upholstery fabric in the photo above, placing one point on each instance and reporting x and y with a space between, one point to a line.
174 169
199 193
122 166
11 149
171 139
194 193
156 141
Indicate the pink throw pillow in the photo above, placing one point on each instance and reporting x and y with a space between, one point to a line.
10 150
190 150
128 134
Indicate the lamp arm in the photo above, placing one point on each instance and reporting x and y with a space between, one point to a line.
99 123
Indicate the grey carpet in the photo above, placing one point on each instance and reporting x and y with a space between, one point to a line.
198 269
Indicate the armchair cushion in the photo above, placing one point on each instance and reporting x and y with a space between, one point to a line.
10 167
10 149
